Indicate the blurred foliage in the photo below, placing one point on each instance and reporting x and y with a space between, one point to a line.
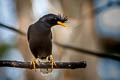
4 48
110 46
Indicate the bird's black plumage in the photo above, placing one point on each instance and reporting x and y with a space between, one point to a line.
39 35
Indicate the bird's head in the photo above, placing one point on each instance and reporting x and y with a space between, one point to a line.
53 19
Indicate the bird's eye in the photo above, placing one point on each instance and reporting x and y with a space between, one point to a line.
55 18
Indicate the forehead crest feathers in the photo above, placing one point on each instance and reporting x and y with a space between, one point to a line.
62 17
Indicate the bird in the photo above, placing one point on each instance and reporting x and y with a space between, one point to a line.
40 37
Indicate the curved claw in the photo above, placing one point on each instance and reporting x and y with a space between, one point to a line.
34 62
52 62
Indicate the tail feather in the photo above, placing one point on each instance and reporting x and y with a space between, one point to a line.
44 71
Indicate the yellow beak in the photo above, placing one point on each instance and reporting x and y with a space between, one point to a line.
62 24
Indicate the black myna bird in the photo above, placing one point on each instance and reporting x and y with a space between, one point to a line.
40 36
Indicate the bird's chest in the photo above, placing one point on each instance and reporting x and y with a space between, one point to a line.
40 40
39 34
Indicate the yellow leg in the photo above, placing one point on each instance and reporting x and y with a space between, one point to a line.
34 62
52 62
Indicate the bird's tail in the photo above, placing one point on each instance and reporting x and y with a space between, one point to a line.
47 70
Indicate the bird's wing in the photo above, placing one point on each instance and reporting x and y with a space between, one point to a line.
28 32
50 35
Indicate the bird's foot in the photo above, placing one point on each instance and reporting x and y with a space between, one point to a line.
52 62
34 62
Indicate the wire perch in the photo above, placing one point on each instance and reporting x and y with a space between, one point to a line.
12 28
88 52
59 65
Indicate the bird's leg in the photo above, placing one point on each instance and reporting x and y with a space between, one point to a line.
34 62
52 62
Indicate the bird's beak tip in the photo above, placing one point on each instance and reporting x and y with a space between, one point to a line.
61 23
